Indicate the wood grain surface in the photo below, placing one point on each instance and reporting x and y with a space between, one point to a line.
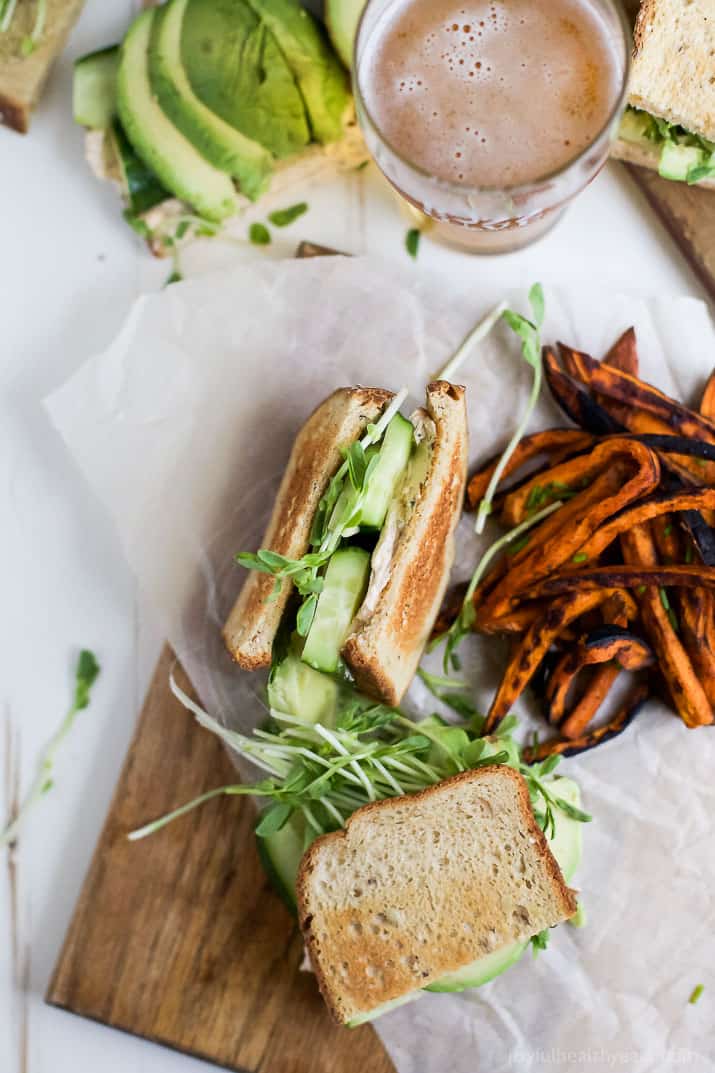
179 938
688 213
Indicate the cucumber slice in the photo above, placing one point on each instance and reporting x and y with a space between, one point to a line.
344 588
157 141
141 187
342 18
94 88
391 464
299 690
281 854
677 160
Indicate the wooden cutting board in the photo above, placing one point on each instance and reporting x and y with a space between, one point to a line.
688 213
179 938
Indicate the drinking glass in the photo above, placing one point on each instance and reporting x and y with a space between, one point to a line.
487 219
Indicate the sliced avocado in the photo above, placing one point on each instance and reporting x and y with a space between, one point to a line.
221 144
235 67
637 127
299 690
342 18
142 189
317 69
566 844
94 88
385 1007
677 160
161 146
480 971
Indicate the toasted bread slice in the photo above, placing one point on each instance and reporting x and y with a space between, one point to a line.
338 421
23 77
417 887
385 647
646 156
673 67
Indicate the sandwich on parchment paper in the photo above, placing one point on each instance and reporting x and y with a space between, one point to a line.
669 124
32 34
438 891
356 557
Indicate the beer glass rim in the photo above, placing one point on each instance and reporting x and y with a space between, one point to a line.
462 187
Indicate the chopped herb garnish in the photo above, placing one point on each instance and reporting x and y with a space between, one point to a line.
181 230
412 242
85 676
579 557
518 545
696 993
175 277
640 590
284 217
668 529
259 234
689 554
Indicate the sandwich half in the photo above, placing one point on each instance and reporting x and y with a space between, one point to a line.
355 560
669 124
417 889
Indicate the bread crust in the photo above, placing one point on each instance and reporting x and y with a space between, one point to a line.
383 651
315 457
644 157
400 984
672 73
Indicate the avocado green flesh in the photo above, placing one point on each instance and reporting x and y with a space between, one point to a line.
221 144
280 855
317 70
677 160
342 18
235 67
177 164
385 1007
94 88
480 971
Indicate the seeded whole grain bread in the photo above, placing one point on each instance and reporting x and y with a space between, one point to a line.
417 887
384 650
22 78
316 455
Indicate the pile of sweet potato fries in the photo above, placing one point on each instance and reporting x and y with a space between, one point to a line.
621 578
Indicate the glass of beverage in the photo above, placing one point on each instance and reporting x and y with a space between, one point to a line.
489 116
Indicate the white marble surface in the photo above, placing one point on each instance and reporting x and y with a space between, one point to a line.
69 268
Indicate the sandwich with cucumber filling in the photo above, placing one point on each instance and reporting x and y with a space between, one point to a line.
357 554
669 124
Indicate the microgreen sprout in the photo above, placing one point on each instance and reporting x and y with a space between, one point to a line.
475 335
529 333
85 675
465 619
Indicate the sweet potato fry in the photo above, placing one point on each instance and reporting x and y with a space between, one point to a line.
609 644
587 708
576 529
666 533
623 354
451 606
686 691
566 480
615 726
553 443
575 400
614 384
534 646
697 627
707 403
517 621
633 577
639 513
575 362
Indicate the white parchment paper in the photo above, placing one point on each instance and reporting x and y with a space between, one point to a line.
183 426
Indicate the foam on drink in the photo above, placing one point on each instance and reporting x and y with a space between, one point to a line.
491 94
